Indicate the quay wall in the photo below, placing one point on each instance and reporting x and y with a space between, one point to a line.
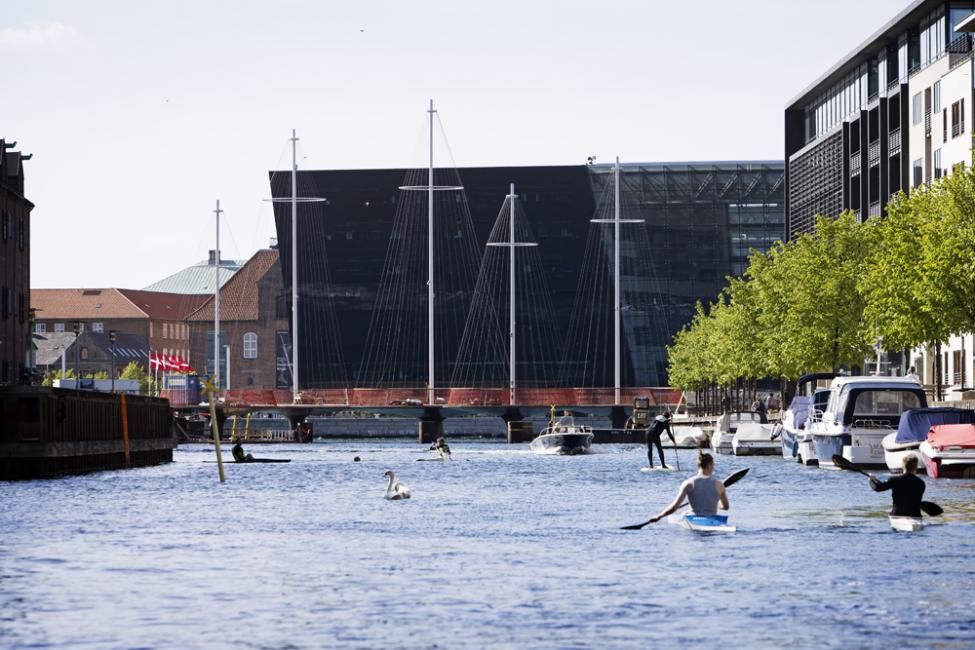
48 432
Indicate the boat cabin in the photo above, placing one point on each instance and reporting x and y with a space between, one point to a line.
872 402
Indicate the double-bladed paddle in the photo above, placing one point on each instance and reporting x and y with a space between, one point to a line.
728 482
930 508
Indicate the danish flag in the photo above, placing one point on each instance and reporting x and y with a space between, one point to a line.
170 362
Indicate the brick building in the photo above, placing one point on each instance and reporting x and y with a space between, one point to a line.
253 324
15 348
154 317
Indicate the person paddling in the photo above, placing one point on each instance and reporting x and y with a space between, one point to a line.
239 455
907 489
703 491
441 446
657 427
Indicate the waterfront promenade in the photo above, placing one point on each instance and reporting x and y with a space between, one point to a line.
497 548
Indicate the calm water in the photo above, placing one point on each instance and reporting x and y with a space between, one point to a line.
498 548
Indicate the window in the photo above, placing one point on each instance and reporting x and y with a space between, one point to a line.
937 96
97 327
250 345
918 173
937 163
916 114
958 118
40 328
59 327
944 113
165 330
7 224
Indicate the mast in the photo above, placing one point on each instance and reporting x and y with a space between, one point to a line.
511 301
216 303
616 283
430 337
294 266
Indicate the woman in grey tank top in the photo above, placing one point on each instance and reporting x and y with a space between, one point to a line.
702 490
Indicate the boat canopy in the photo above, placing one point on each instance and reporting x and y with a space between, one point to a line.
814 377
952 435
915 423
881 404
795 417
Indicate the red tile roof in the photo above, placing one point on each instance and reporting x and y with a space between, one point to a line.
240 296
85 304
165 306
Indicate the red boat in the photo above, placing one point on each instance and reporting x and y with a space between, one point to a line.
949 451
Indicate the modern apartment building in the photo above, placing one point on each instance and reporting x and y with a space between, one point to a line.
894 113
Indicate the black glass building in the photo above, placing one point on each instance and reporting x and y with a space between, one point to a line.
700 220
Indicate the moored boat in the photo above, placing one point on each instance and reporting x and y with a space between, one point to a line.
906 524
702 523
861 411
726 426
913 430
754 439
806 406
564 437
949 451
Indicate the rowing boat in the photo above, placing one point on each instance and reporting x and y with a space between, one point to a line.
906 524
703 523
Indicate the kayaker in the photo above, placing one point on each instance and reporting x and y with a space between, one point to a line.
702 490
441 446
658 425
907 489
239 455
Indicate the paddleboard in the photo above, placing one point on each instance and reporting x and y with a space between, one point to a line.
703 524
906 524
657 469
256 460
422 460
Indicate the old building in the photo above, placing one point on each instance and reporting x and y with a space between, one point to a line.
154 317
89 353
253 327
15 349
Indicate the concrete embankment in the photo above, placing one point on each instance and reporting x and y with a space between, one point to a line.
47 432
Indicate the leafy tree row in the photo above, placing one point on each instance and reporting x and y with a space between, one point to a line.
820 301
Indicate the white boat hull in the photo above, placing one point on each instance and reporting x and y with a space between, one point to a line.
566 444
906 524
702 524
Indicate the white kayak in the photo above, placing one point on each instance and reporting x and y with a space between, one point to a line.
906 524
703 523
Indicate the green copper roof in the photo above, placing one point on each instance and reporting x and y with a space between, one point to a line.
197 279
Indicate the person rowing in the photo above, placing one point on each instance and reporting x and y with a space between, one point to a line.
704 492
659 424
906 489
239 455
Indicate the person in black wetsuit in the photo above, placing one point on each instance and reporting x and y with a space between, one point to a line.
239 455
906 489
658 425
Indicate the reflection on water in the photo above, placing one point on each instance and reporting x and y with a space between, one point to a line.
499 547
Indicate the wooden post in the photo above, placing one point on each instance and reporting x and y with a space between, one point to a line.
215 426
125 432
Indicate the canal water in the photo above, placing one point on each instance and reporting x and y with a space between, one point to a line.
497 548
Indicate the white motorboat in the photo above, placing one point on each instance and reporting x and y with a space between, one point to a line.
807 405
726 426
949 451
754 439
913 430
689 437
702 523
563 436
906 524
861 411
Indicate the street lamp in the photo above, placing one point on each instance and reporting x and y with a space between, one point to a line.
111 337
76 326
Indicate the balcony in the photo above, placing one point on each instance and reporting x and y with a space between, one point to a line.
854 163
874 209
873 153
927 123
959 50
894 141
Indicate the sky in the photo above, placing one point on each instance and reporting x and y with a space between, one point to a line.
140 115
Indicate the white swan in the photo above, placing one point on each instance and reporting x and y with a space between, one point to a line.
395 491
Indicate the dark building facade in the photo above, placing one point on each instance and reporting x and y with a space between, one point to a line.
15 361
700 220
889 116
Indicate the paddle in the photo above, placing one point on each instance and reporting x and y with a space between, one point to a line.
929 507
728 482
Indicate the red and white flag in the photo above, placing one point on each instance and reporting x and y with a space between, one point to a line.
170 362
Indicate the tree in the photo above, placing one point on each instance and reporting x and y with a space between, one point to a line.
135 371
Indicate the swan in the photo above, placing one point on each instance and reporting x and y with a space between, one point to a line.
395 491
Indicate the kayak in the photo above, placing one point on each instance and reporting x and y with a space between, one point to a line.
906 524
421 460
254 460
703 523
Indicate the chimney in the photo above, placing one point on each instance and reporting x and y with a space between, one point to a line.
213 257
273 243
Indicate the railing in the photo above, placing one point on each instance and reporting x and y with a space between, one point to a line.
957 128
873 153
927 122
867 423
874 209
894 140
893 85
855 163
959 50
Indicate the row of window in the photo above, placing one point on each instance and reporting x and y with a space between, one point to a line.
97 326
176 331
13 304
249 341
7 229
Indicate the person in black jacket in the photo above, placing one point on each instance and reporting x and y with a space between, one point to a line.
907 489
659 424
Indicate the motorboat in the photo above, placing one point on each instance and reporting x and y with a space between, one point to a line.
913 430
563 436
689 437
754 439
906 524
726 426
702 523
949 451
808 403
861 411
